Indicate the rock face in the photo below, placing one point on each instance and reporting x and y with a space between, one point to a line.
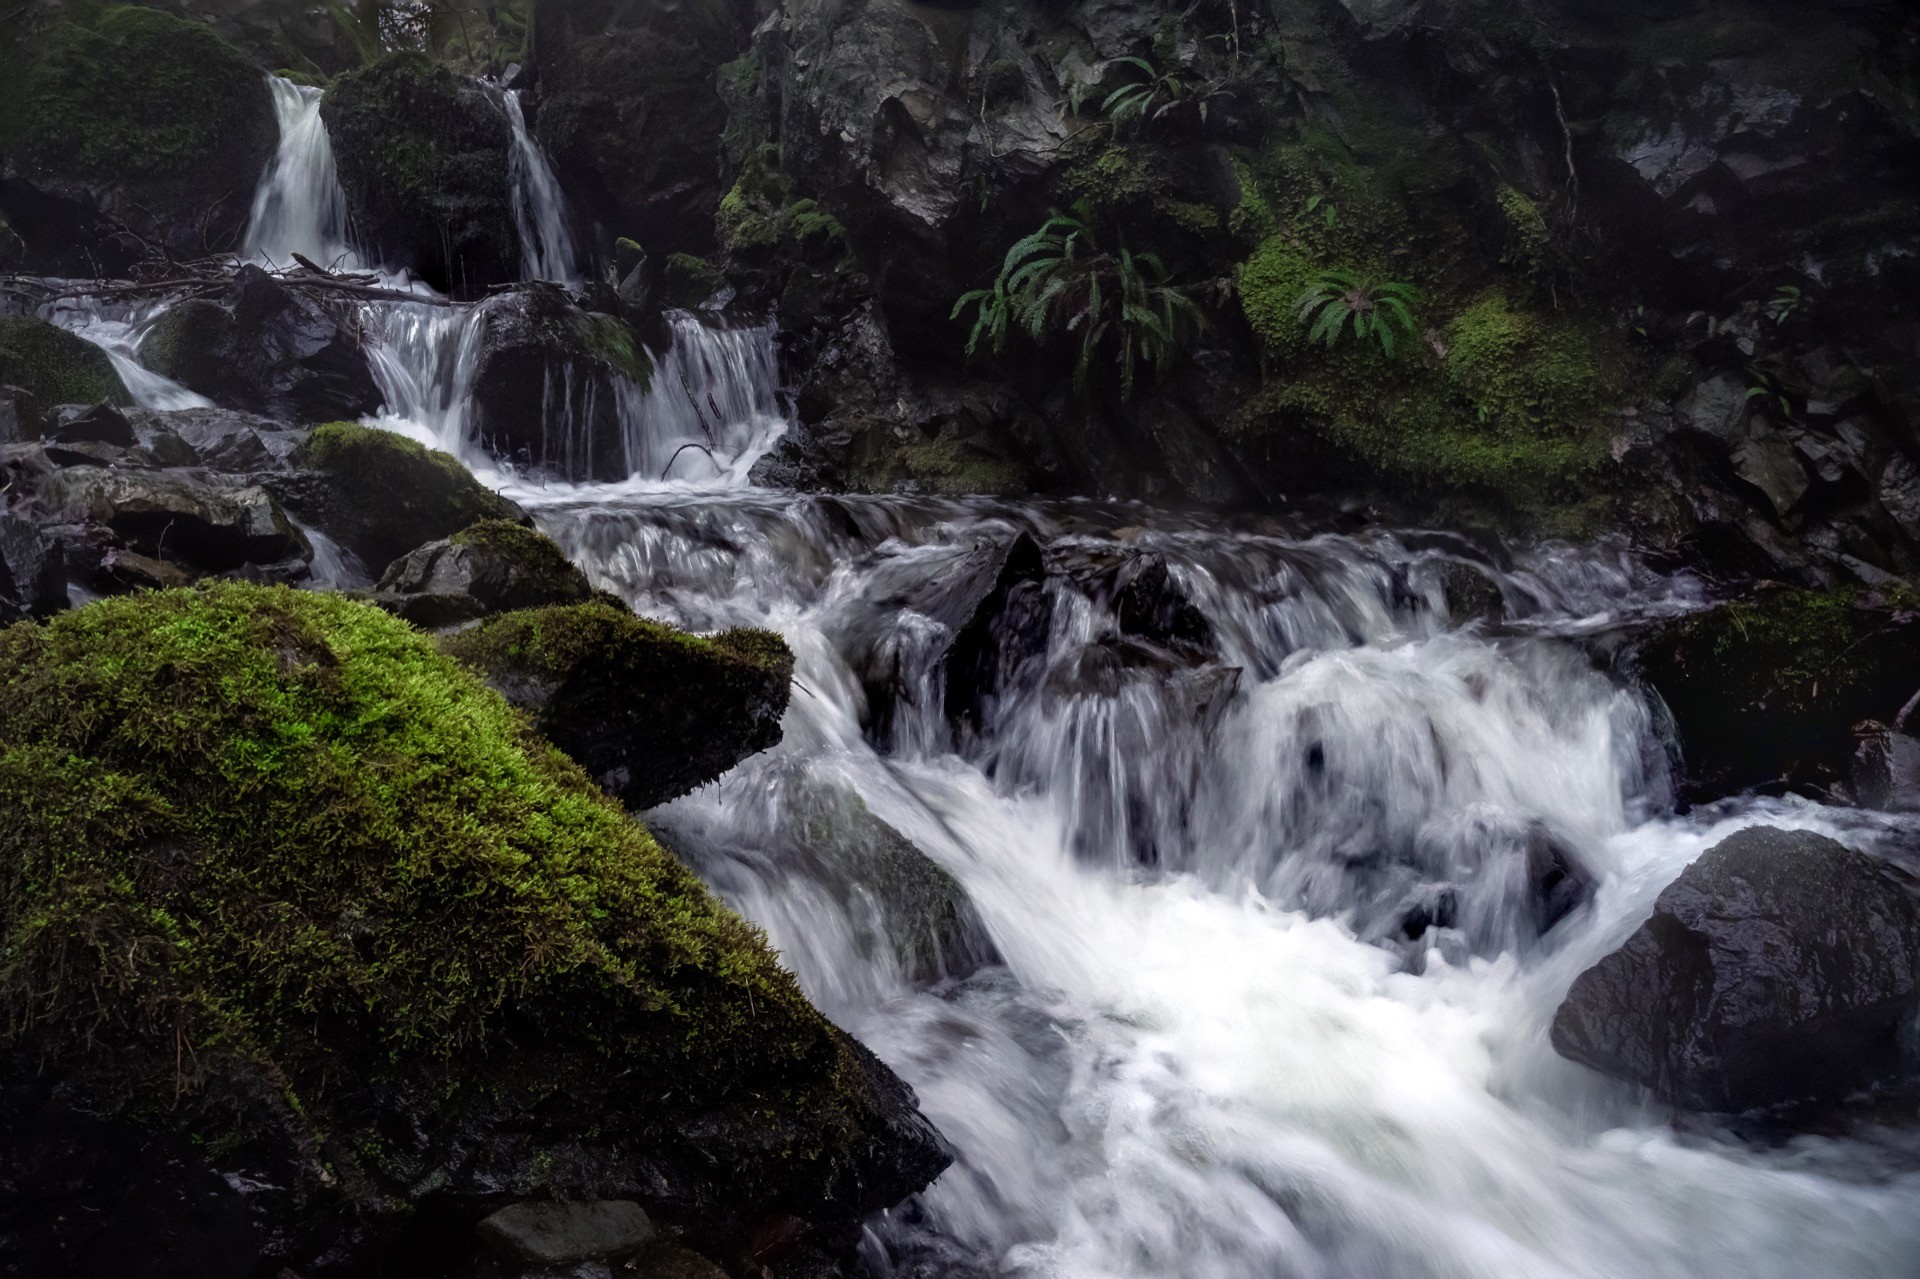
548 385
1777 969
264 348
495 566
204 524
140 132
55 367
336 867
422 154
649 711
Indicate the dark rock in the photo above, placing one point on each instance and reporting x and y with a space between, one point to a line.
1766 691
204 524
1003 639
140 134
547 385
266 349
19 416
650 712
99 424
422 154
494 566
380 495
226 440
33 571
669 1261
1777 969
55 367
563 1234
1886 769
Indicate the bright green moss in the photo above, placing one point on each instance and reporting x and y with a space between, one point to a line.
761 213
553 642
1519 370
388 494
56 366
261 830
1271 282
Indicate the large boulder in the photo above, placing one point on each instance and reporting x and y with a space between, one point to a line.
1779 968
228 441
366 960
210 525
550 381
265 348
422 154
380 495
495 566
1765 691
55 367
33 572
651 712
138 133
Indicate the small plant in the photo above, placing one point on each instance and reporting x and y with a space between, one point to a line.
1374 308
1058 283
1158 95
1786 300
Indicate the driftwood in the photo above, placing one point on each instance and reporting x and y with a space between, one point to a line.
209 277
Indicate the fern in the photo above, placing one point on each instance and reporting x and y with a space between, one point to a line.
1337 300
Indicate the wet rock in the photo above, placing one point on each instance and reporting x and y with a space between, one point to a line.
563 1234
380 495
493 566
229 441
1000 644
139 133
1765 691
19 416
202 524
669 1261
98 424
650 712
1777 969
33 571
266 349
548 384
422 154
55 367
1886 769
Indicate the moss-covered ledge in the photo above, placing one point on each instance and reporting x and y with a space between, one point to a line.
650 711
288 888
55 366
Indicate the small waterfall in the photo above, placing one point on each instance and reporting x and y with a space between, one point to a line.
117 328
299 206
712 409
547 248
424 359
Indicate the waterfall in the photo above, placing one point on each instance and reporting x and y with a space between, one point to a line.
712 408
117 328
547 249
299 206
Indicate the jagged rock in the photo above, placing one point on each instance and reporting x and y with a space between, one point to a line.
1886 769
380 495
266 349
494 566
650 712
95 424
225 440
548 384
203 524
55 367
33 571
422 154
564 1234
138 131
19 416
1779 968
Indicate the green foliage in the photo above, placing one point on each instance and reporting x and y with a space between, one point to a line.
1058 284
1520 371
1154 96
761 213
56 366
1373 308
1529 242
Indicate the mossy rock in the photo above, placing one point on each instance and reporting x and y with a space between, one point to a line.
1765 692
293 891
139 118
422 154
495 566
650 711
381 495
55 366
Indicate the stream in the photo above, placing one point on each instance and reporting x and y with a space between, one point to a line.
1267 991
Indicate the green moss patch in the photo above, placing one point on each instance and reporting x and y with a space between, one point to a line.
761 216
56 366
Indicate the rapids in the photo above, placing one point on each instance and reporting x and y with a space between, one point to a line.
1206 1046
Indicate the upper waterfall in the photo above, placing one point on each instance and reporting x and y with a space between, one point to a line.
299 206
547 248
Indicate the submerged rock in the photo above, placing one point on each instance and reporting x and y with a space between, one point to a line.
266 349
366 959
494 566
651 712
55 367
381 495
1779 968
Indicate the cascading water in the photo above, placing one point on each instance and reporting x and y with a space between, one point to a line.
547 248
300 206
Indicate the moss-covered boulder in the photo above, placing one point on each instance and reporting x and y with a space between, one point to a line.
303 923
1765 692
422 154
135 126
56 367
549 380
495 566
650 711
380 495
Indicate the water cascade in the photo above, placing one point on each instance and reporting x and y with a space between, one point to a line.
547 248
299 206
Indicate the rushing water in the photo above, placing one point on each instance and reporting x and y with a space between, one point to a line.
547 248
299 206
1210 1041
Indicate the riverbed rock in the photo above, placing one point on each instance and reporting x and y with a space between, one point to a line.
140 134
33 571
380 495
548 383
324 862
494 566
422 154
1778 969
54 367
564 1234
649 711
265 348
89 424
229 441
204 524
